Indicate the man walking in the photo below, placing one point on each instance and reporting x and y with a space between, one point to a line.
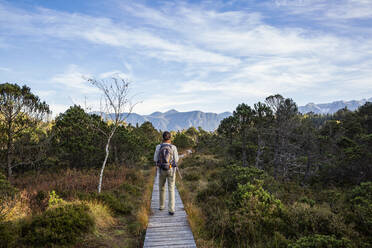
166 158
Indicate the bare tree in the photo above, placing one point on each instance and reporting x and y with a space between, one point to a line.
117 108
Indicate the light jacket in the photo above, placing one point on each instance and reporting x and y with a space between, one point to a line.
174 149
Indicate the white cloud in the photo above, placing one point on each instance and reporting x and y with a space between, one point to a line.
5 69
320 9
219 54
74 80
63 25
115 73
45 93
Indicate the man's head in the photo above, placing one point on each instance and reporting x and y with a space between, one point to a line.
166 136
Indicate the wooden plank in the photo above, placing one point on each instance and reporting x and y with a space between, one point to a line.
166 230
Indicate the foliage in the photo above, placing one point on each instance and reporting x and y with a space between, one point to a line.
301 220
76 141
54 199
361 207
321 241
61 225
183 141
20 113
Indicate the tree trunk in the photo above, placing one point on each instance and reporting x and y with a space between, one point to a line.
104 161
8 151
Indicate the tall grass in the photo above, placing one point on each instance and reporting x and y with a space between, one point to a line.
71 180
130 187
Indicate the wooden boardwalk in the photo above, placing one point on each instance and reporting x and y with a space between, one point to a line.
165 230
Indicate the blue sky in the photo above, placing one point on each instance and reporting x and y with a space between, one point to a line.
188 55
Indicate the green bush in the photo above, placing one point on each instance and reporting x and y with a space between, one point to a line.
235 175
8 234
255 213
302 220
62 225
321 241
361 207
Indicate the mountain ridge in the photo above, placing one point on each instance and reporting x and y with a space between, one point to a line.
174 120
330 108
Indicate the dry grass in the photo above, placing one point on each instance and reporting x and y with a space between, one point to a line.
143 212
111 230
18 208
71 180
102 215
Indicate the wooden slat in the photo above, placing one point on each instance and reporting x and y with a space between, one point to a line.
165 230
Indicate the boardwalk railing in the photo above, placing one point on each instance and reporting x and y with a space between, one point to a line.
166 230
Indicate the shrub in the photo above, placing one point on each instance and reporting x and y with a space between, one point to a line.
234 175
302 219
61 225
321 241
361 207
8 234
54 199
255 213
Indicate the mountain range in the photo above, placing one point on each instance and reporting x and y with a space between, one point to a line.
330 108
174 120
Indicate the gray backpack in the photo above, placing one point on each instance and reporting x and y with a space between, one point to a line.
165 158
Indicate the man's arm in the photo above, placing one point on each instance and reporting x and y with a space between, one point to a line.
175 154
156 154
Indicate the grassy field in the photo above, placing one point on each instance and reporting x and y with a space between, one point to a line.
115 218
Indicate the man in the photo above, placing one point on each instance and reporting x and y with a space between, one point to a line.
166 158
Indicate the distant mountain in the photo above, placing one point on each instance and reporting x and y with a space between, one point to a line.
174 120
330 108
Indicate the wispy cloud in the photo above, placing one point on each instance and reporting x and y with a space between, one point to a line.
341 9
5 69
74 79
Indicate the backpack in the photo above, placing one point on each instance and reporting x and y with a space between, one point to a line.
165 158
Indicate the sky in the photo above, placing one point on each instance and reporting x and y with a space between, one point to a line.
188 55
